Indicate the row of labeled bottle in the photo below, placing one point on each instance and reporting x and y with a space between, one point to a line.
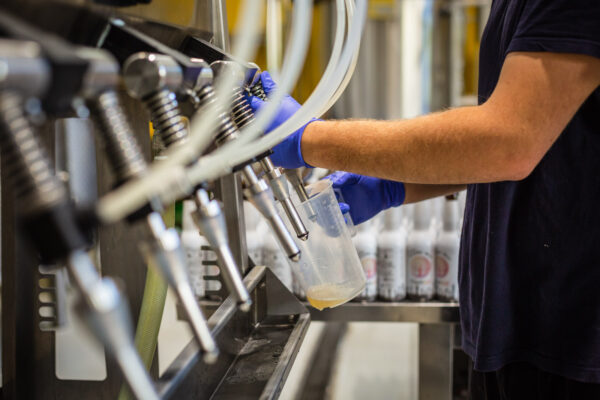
414 258
406 252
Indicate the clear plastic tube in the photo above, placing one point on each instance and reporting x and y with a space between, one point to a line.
272 107
320 95
169 174
349 73
211 166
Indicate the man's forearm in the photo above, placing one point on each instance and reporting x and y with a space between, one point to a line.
504 139
453 147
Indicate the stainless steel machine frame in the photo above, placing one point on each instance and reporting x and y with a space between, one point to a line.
437 336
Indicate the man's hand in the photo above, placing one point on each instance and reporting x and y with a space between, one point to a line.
288 153
366 196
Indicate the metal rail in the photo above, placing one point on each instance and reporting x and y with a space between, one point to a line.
423 313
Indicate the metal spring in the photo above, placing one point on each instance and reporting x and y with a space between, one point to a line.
24 159
226 129
166 117
122 149
241 111
259 91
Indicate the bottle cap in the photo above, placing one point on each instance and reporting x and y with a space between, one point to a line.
365 226
450 215
392 218
422 215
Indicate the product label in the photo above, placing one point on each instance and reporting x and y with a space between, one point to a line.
420 273
446 274
276 261
391 273
369 264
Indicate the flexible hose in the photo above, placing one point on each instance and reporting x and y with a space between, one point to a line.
212 165
146 332
169 175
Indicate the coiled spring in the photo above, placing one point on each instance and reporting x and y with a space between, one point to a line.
259 91
226 129
166 117
122 149
241 112
24 159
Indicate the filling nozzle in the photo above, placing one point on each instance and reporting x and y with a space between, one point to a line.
48 205
106 312
279 185
164 248
211 222
260 195
242 115
161 74
298 186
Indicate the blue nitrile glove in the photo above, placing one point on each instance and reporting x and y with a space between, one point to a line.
365 195
288 153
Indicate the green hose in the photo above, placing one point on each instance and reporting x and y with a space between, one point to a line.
146 333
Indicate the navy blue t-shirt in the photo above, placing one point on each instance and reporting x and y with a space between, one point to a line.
530 255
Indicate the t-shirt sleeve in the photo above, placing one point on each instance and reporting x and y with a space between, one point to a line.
560 26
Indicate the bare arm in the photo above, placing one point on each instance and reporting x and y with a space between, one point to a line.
502 139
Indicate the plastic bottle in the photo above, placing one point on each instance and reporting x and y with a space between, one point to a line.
365 242
391 257
254 233
274 258
419 252
192 243
446 253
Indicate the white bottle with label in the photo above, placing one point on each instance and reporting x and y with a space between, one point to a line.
446 253
365 242
275 259
420 274
391 257
192 243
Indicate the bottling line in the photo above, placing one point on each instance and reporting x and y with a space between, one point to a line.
88 201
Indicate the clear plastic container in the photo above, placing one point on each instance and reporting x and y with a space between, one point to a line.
329 270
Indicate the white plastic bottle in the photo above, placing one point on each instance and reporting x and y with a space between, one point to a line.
365 242
419 252
192 243
391 257
446 253
254 233
275 259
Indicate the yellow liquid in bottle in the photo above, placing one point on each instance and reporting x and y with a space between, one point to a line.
328 295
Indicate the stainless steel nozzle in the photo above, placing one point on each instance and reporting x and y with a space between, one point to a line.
107 315
166 250
298 186
260 195
280 188
211 222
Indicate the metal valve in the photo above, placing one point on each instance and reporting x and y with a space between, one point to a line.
164 74
242 115
162 245
49 217
211 222
256 190
256 89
